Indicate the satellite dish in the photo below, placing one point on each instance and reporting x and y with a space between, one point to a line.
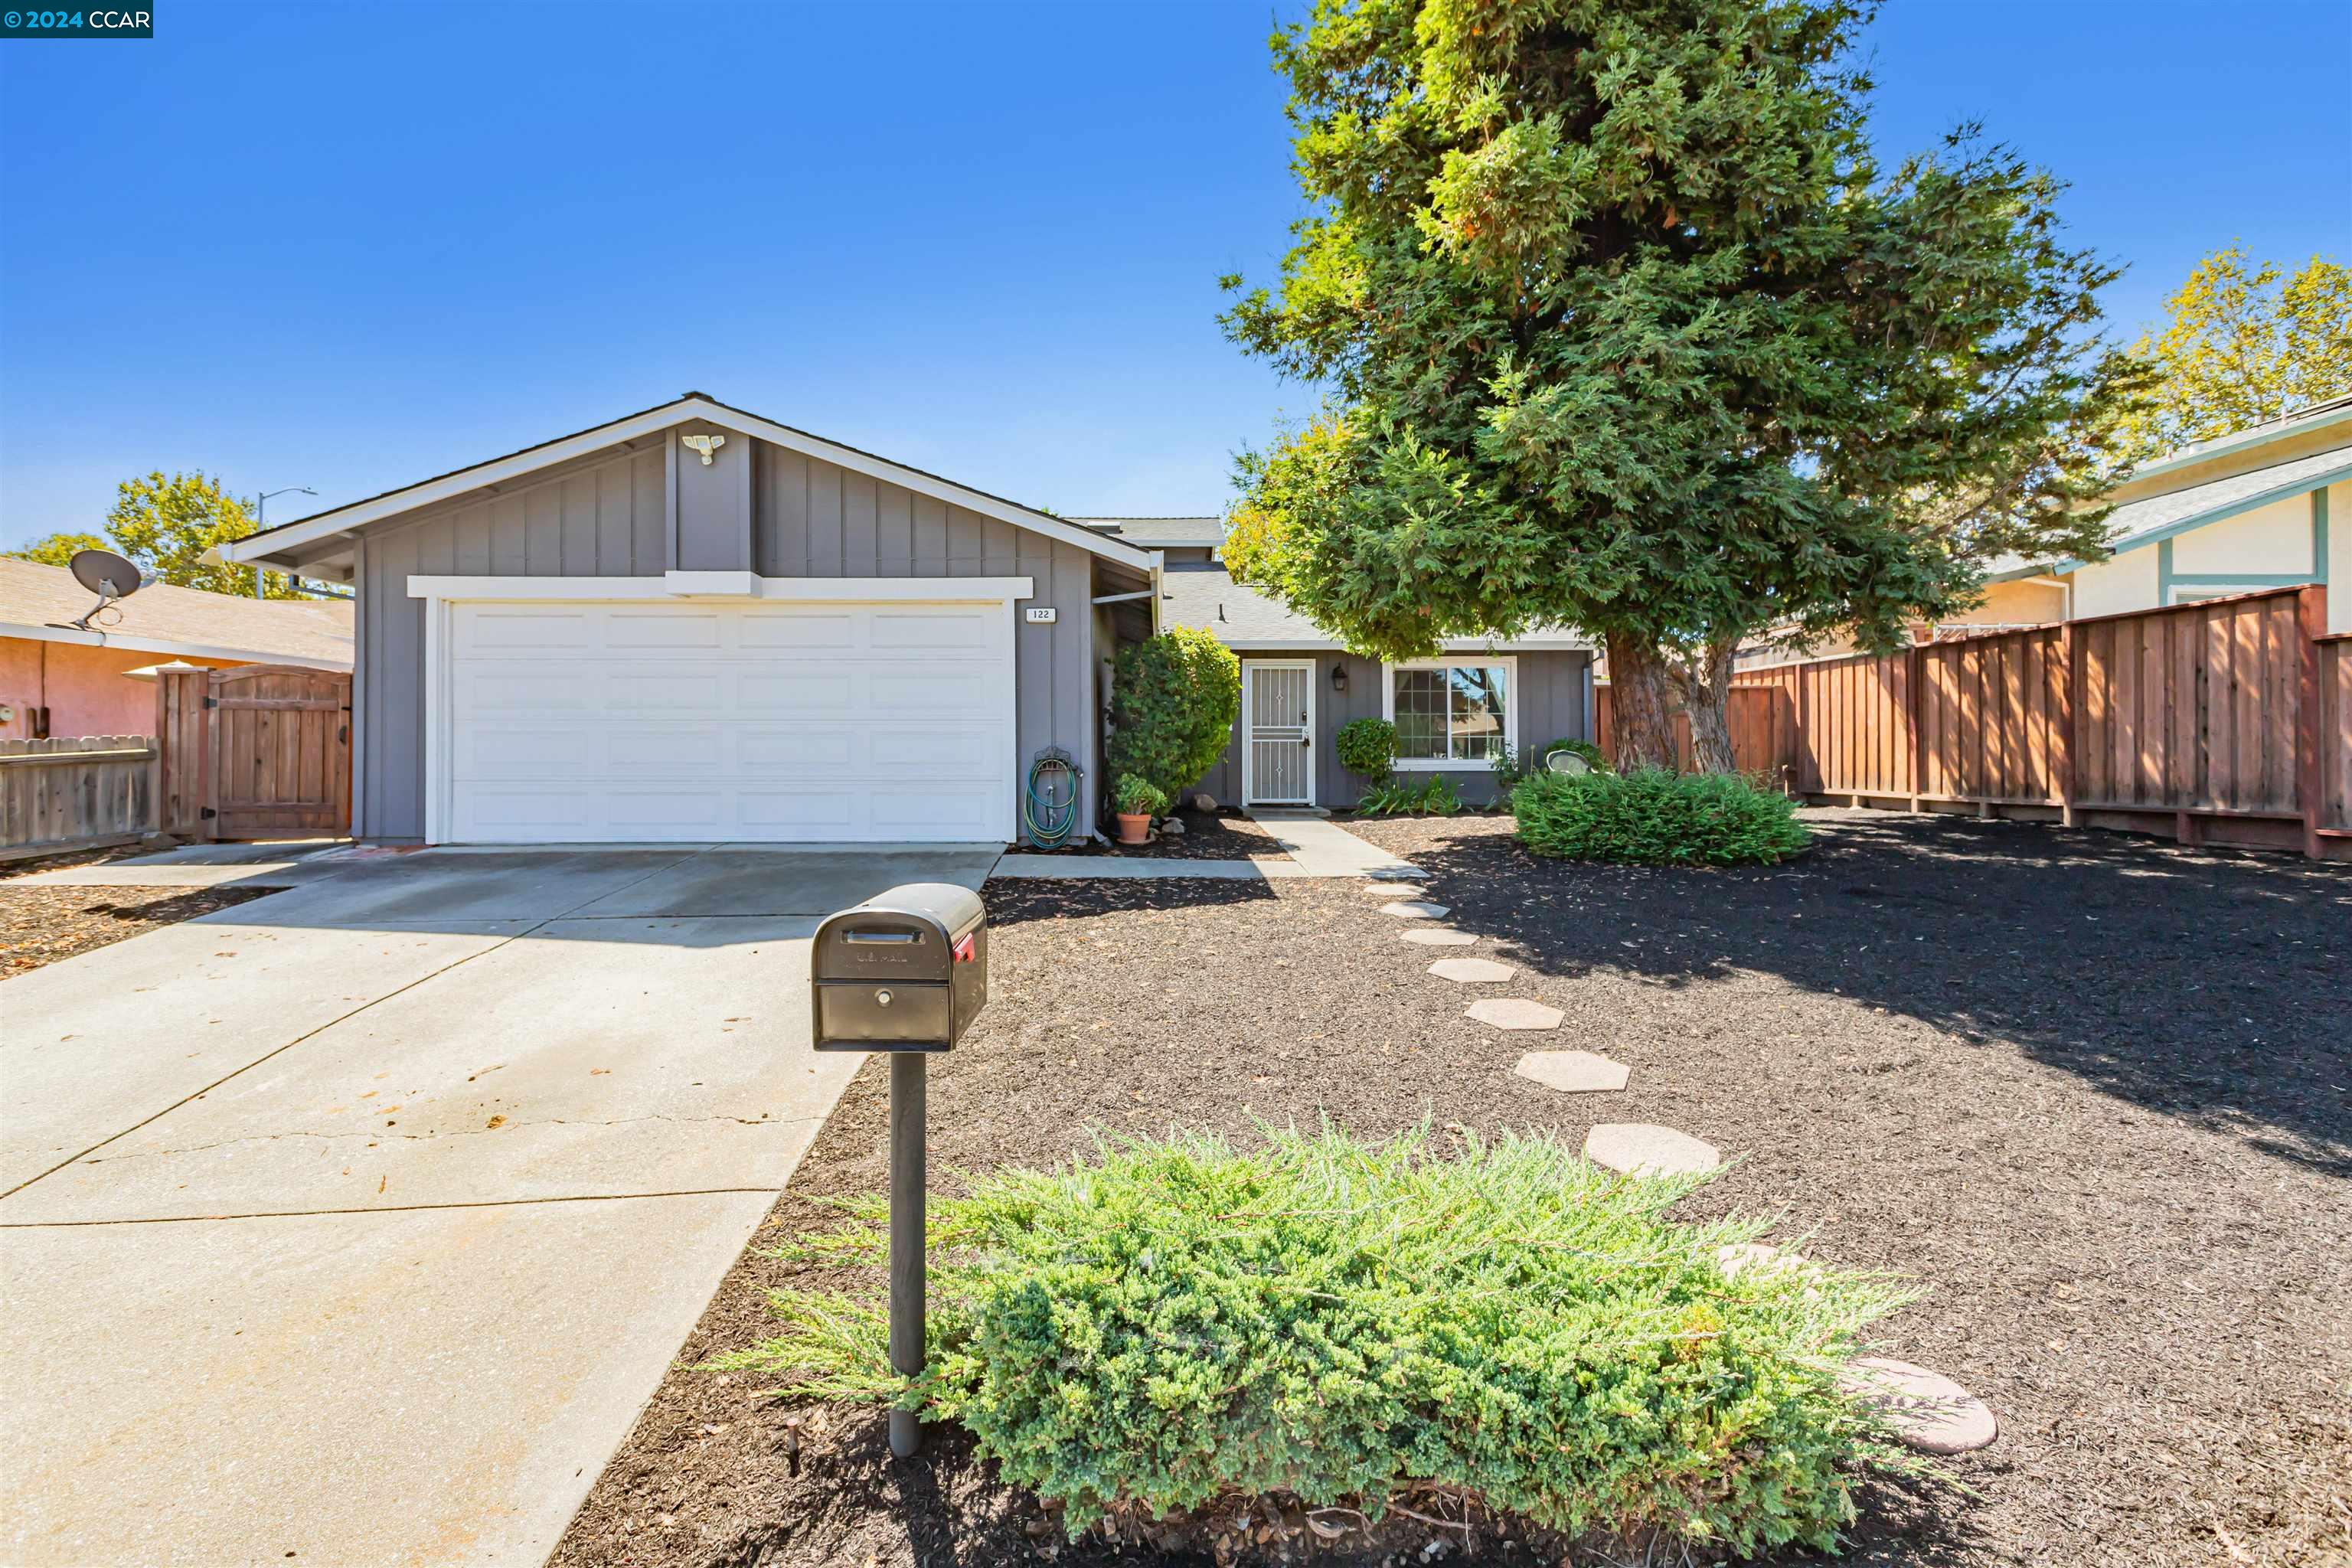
1567 763
106 575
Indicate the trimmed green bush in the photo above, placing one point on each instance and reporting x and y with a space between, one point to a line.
1366 748
1653 817
1173 1325
1174 699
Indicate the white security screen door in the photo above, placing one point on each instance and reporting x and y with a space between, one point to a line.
1278 712
698 721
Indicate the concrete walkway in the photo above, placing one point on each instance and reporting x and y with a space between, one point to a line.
354 1224
1323 847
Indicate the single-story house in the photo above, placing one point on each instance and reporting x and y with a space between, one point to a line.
2233 515
1299 684
694 624
56 679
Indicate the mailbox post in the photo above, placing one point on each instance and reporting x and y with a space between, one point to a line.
905 973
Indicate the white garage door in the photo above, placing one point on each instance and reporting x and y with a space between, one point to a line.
703 721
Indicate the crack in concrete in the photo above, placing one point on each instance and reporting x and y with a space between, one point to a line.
435 1137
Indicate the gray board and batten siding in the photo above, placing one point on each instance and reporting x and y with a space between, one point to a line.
757 507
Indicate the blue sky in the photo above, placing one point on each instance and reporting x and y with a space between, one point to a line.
349 245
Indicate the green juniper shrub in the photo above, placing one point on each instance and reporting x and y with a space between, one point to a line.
1366 748
1653 817
1172 1325
1174 699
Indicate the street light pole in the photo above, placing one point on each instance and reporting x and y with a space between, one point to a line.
261 521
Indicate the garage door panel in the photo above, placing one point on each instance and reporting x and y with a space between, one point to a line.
781 694
711 722
929 630
799 631
635 630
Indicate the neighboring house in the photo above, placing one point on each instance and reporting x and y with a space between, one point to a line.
59 680
1299 686
694 624
2233 515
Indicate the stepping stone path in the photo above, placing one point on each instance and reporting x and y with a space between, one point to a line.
1573 1072
1389 891
1927 1410
1438 936
1398 874
1640 1149
1470 970
1416 910
1514 1012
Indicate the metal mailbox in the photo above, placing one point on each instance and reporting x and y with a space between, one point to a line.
904 971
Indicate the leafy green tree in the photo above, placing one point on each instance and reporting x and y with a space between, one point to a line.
164 524
1624 327
2245 343
60 549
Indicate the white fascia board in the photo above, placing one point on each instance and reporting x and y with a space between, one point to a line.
777 590
165 645
465 481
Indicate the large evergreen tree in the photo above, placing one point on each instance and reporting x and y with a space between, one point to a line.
1624 327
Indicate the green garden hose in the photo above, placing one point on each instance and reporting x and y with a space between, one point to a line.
1050 812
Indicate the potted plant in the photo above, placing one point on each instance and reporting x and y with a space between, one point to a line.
1139 801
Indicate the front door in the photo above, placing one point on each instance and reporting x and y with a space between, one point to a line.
1278 720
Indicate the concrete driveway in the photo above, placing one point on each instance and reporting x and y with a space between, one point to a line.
354 1224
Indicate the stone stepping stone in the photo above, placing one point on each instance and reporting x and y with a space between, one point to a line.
1739 1257
1398 874
1929 1411
1640 1149
1470 970
1389 891
1438 936
1515 1013
1416 910
1573 1072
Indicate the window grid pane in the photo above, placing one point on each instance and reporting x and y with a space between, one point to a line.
1455 714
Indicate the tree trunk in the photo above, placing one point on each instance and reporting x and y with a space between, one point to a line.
1641 720
1703 681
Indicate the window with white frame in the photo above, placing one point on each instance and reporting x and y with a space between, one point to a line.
1450 712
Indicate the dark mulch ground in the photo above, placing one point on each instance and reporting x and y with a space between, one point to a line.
42 925
1207 836
2092 1090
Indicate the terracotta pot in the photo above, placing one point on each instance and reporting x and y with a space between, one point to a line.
1134 829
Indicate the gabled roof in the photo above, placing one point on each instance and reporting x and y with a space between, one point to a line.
2319 416
183 622
1241 616
1162 532
693 407
2137 524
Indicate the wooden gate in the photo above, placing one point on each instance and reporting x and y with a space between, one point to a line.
260 751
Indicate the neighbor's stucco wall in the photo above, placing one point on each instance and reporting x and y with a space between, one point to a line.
2339 557
2120 582
83 688
1549 705
610 517
2270 540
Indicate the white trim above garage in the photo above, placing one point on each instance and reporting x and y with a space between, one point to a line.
823 711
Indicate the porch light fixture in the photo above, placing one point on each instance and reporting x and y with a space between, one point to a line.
1338 676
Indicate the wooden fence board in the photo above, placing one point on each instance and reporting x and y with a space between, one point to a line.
72 792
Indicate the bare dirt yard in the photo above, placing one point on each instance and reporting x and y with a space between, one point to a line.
40 925
2094 1092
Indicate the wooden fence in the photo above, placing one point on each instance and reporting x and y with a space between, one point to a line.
2225 721
75 793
